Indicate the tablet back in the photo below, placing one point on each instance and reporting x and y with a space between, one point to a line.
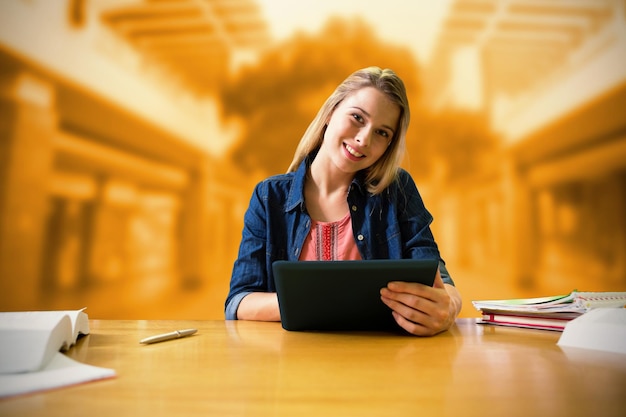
342 295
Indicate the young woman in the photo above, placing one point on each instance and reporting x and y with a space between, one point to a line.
345 197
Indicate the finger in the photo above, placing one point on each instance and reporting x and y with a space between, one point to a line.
421 311
412 308
416 329
409 291
421 326
396 300
418 289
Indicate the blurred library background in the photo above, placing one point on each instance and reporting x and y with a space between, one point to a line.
132 133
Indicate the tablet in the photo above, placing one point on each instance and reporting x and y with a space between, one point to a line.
343 295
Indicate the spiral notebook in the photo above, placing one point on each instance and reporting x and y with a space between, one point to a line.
574 302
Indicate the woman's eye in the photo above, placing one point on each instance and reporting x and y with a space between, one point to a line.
383 133
357 117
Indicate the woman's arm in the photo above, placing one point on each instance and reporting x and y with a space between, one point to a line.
260 306
249 280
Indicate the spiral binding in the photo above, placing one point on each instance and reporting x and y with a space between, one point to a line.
589 300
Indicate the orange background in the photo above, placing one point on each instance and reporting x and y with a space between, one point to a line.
132 133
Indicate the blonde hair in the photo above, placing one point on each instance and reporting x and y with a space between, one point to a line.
380 175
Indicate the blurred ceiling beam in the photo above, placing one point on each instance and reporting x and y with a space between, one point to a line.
211 31
84 48
521 42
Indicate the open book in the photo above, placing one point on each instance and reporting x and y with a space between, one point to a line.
30 346
29 339
548 313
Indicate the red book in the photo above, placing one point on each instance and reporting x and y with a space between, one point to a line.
551 321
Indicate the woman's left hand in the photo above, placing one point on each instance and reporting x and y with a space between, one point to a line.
422 310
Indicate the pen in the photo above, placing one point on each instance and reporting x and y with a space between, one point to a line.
168 336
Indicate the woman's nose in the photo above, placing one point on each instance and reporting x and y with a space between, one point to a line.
364 136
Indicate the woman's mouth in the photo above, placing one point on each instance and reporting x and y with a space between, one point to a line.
353 151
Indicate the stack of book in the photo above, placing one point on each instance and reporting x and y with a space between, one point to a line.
546 313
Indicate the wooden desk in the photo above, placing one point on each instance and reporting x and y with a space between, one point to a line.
259 369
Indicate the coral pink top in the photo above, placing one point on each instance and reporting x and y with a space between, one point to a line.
330 241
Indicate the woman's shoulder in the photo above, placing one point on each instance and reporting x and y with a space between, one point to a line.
282 191
404 174
404 187
275 186
403 179
277 180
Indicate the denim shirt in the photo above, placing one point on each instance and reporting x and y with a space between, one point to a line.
391 225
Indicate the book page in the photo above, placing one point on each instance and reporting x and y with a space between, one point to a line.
29 339
60 371
80 323
521 304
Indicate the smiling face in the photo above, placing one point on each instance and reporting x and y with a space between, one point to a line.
359 130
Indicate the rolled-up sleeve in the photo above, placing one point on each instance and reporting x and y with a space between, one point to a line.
233 304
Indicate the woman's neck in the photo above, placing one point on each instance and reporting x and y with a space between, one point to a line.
327 179
326 194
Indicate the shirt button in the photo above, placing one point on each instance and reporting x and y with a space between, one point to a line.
360 237
354 208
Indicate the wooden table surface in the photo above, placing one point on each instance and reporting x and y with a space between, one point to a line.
234 368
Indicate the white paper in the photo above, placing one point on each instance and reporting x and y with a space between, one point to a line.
599 329
60 371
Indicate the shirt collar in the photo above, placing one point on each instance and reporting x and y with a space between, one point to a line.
296 192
